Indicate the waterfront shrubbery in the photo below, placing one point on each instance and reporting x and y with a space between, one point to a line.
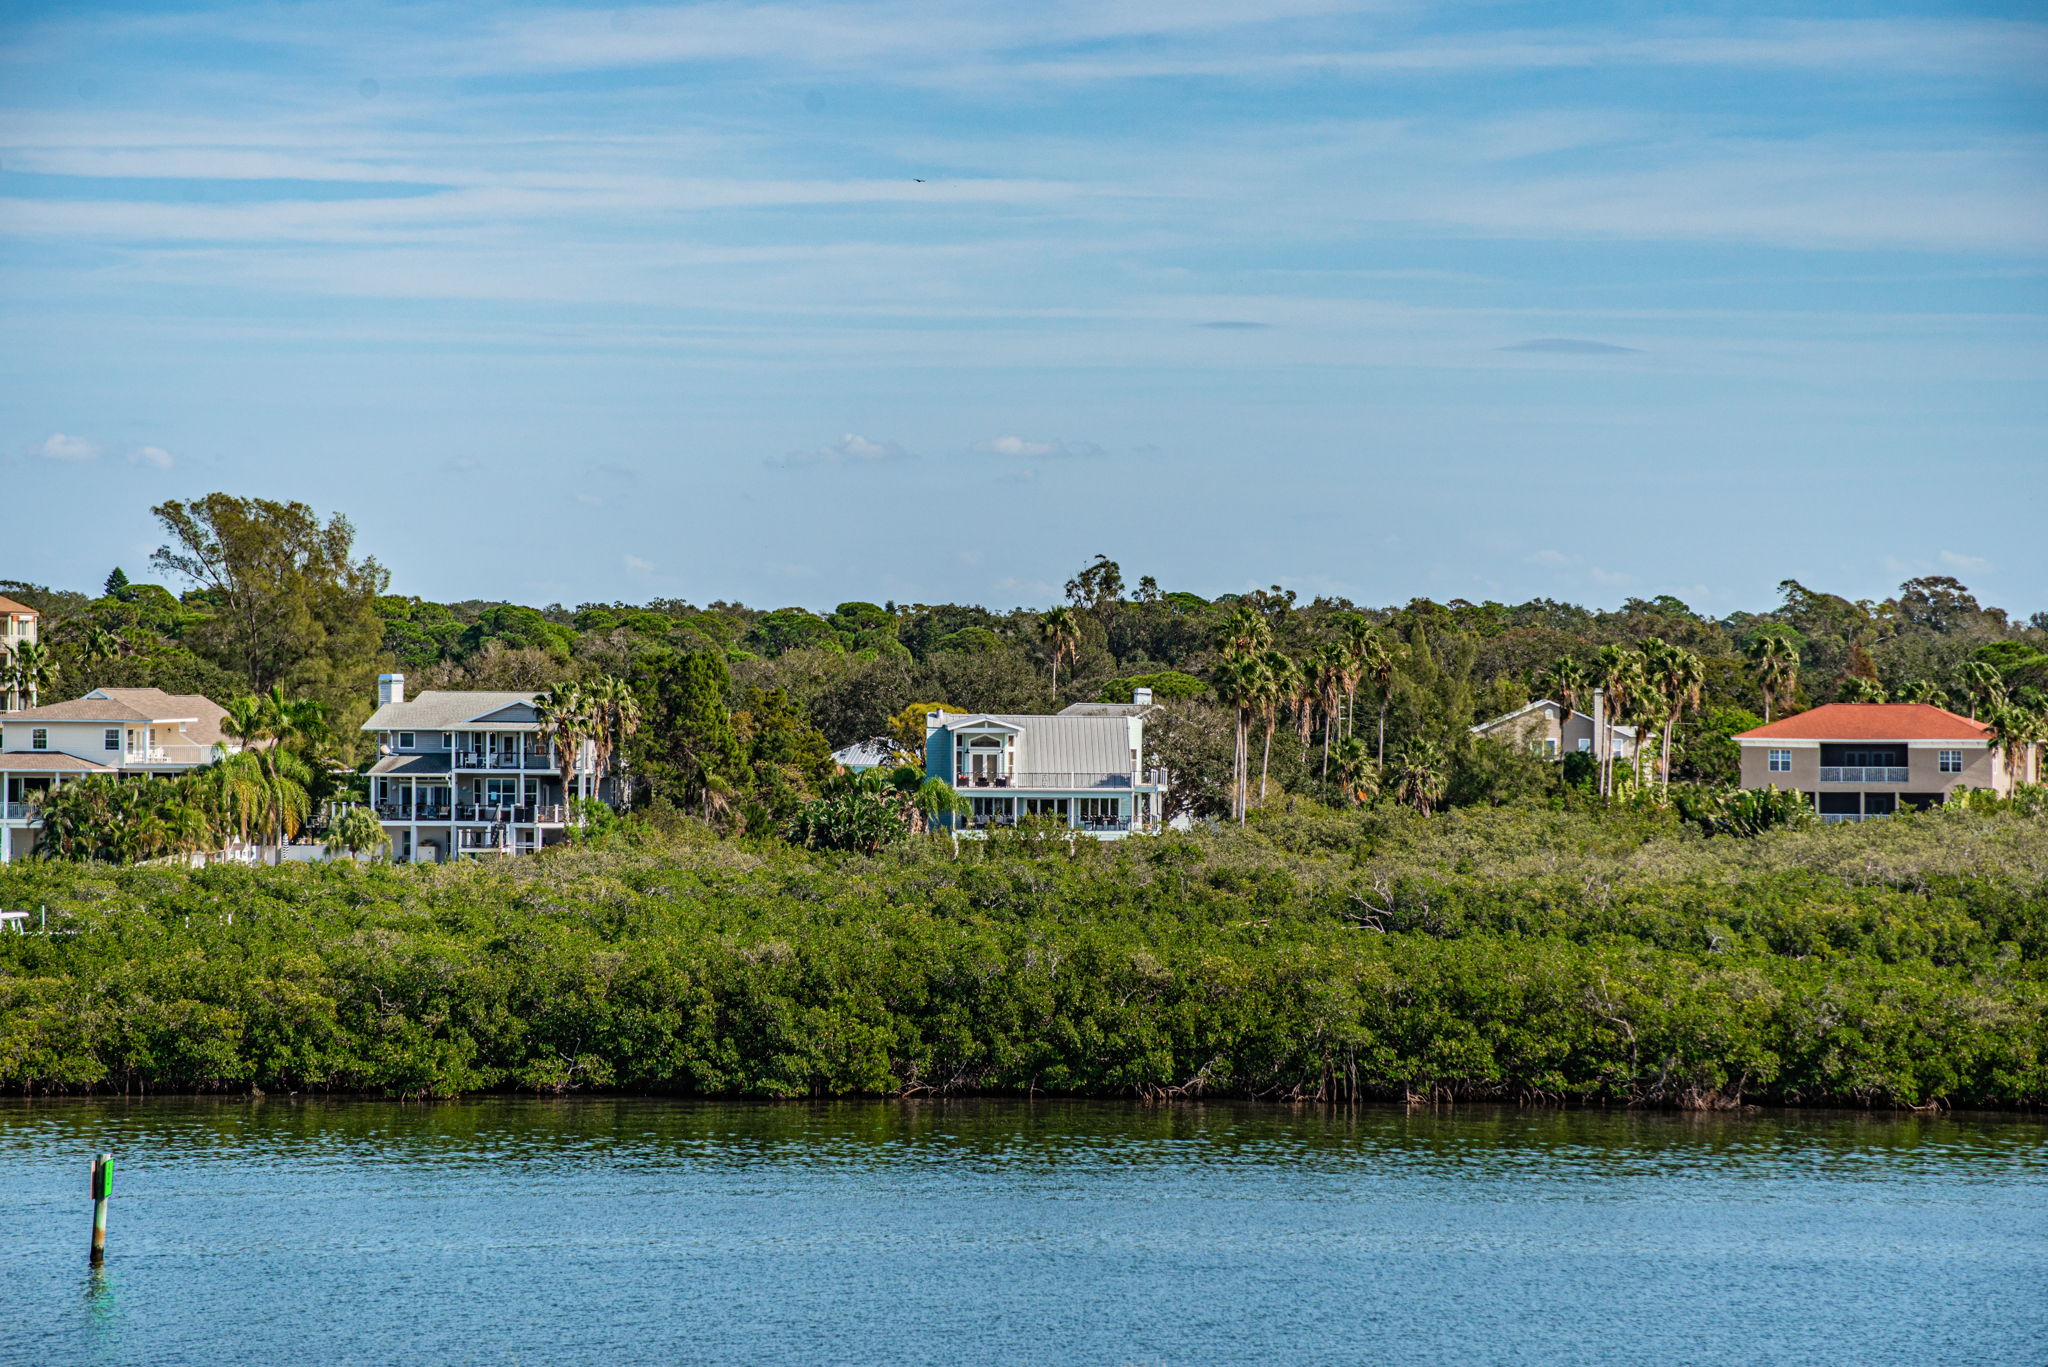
1492 953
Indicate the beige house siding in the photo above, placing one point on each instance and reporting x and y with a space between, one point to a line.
1530 730
1981 769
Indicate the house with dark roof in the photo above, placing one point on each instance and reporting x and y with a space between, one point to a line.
462 773
1854 761
109 730
1084 768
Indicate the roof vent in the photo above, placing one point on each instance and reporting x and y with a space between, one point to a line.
390 689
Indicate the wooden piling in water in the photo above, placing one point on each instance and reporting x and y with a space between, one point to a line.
102 1188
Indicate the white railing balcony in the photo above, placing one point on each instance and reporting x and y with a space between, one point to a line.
1866 773
483 759
14 811
1028 779
171 752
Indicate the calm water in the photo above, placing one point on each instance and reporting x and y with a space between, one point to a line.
286 1232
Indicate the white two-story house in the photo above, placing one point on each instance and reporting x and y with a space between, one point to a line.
108 731
1084 768
464 773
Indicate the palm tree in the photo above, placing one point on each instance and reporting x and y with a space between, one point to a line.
33 668
1620 675
564 715
1060 629
1777 670
1680 680
1357 772
1856 688
1244 631
614 716
1237 681
246 722
1375 660
2015 730
1275 687
1568 685
1327 677
1921 691
925 799
356 831
1983 683
1418 775
100 645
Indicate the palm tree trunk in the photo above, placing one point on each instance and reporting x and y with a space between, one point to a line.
1382 757
1266 757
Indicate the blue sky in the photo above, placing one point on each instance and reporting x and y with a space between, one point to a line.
801 302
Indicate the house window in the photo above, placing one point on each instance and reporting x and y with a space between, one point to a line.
1951 762
501 792
405 739
1780 762
1585 745
112 740
447 740
39 739
1099 809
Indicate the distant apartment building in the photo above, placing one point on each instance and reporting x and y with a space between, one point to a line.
108 731
1083 768
1551 730
1855 761
464 773
18 626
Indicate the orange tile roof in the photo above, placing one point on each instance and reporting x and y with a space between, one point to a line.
1872 721
9 605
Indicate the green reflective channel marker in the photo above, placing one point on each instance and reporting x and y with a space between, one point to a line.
102 1188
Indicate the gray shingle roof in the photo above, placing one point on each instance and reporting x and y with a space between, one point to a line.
450 710
415 765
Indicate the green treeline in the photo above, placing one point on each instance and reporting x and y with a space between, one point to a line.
1513 953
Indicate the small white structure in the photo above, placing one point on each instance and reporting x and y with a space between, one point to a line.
465 773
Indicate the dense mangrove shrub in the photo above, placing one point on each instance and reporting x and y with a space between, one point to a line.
1506 953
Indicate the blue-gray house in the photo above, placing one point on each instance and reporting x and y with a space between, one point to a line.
1084 767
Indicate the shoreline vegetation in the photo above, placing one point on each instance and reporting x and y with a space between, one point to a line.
1517 954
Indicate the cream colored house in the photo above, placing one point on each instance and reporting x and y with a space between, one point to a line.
1545 728
18 625
1857 760
108 731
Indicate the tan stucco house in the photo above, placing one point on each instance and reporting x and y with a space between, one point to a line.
1859 760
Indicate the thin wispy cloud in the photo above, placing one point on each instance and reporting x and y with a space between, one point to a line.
1572 346
66 447
850 451
1021 448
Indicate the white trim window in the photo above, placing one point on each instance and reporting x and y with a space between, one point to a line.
1949 762
1778 762
112 740
39 739
405 740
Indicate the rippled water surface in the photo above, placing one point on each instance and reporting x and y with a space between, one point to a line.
612 1232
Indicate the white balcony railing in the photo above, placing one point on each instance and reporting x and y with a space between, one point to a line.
173 752
14 811
1867 773
1045 781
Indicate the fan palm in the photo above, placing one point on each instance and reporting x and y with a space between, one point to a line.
1679 680
1619 673
1275 686
1373 658
1237 682
564 715
31 669
1328 677
1777 670
1244 631
1418 775
1060 629
1568 685
1357 772
1983 683
2015 730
